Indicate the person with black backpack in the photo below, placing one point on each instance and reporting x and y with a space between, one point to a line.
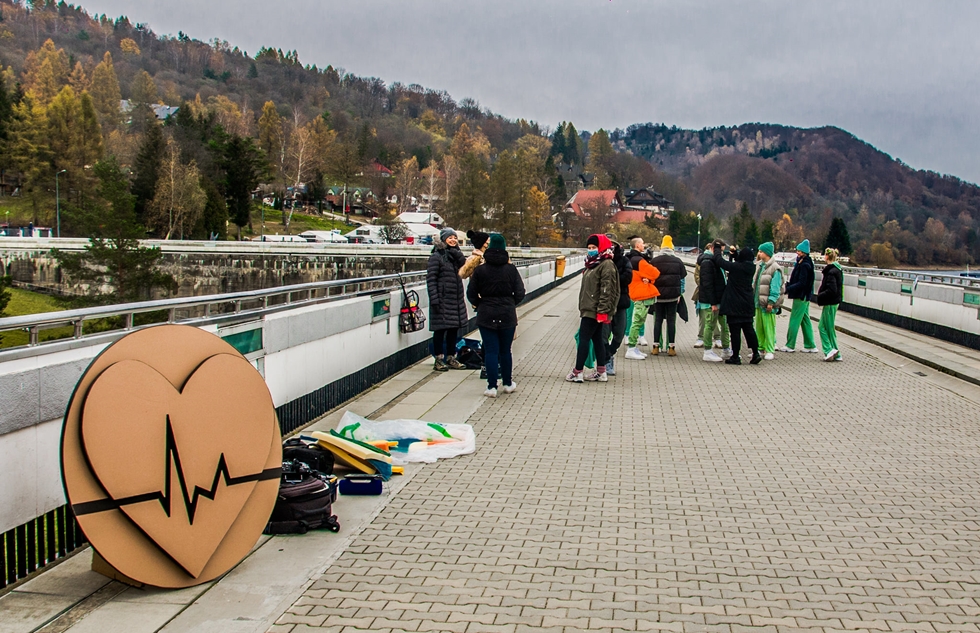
738 301
495 290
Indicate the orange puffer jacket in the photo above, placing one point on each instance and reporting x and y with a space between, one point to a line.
642 288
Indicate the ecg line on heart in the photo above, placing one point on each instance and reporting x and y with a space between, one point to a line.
165 497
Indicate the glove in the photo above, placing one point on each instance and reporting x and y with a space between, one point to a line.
603 318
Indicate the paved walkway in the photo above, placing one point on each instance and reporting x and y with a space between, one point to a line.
682 496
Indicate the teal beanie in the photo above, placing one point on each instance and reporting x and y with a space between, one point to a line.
767 248
804 246
497 241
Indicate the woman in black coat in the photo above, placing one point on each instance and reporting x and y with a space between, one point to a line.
495 289
738 301
447 303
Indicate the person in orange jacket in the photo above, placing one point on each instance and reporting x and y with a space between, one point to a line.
643 293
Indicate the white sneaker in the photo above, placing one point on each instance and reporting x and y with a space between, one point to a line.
596 377
698 344
711 357
511 388
831 355
839 358
769 356
809 350
490 393
718 343
634 354
575 376
643 341
788 350
727 353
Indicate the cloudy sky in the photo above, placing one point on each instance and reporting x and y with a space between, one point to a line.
900 74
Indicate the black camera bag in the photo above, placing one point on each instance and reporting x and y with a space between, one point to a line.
316 458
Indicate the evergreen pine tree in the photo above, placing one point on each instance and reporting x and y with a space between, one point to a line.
838 237
573 143
558 142
146 170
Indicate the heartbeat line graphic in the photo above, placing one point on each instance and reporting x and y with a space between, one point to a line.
166 498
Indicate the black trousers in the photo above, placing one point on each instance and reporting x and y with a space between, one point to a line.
590 331
666 311
444 342
751 340
618 330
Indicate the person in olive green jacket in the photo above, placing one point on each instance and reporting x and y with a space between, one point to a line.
597 301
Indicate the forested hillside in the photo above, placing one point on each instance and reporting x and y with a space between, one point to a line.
814 175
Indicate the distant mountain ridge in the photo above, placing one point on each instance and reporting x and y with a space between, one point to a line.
817 173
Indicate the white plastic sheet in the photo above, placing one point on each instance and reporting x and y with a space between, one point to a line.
419 441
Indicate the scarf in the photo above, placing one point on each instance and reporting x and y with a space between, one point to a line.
591 261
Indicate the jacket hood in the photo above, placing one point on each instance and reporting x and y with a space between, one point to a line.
745 255
666 251
496 256
601 240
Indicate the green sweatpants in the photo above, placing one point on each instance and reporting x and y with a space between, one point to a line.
701 314
765 329
712 322
640 311
828 334
800 317
629 322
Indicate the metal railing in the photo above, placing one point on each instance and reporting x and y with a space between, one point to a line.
916 275
199 310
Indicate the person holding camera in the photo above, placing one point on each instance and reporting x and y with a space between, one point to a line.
768 287
738 301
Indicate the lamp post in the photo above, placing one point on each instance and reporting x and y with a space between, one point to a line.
699 232
57 200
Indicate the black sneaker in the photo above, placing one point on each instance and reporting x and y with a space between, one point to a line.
756 358
734 360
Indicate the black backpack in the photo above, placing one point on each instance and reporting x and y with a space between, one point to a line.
316 458
305 501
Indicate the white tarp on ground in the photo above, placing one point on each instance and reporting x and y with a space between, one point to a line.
418 441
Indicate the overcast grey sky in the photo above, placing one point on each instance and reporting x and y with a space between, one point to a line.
902 75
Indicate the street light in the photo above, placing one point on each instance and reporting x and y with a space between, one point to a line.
57 199
699 232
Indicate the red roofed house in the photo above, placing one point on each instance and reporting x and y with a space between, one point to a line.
587 201
377 169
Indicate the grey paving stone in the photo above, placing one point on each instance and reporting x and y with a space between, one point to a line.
683 496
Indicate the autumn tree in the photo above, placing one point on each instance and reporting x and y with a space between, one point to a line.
179 199
46 72
105 92
786 234
28 150
407 180
74 134
78 80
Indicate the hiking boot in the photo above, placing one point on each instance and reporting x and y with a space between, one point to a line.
440 365
575 376
734 360
491 392
756 358
634 354
671 351
727 353
786 350
655 350
452 363
698 344
711 357
511 388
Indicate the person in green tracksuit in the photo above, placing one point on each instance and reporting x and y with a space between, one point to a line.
829 296
768 285
799 289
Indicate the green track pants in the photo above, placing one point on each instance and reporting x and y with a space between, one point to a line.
800 317
765 329
828 334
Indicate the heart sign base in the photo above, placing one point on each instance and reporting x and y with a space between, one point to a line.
171 456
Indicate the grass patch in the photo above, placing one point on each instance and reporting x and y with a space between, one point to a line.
26 302
18 211
300 223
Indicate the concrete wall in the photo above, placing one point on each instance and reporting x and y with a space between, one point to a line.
303 350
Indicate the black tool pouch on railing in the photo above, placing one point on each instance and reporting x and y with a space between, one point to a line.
411 318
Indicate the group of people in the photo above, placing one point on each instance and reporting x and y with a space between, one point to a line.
739 293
